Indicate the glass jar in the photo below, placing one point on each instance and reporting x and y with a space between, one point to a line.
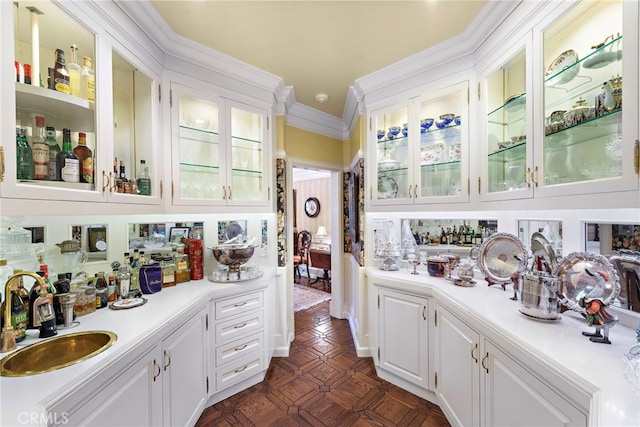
168 272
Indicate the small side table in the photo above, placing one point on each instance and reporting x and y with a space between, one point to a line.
321 259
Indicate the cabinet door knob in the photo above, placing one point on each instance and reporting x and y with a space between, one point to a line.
527 176
484 359
229 198
106 180
155 365
167 357
475 347
534 176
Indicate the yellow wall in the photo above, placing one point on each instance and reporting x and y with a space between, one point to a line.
356 141
304 145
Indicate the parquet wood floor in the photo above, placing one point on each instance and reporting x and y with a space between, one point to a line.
322 383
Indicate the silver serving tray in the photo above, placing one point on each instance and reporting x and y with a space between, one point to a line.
577 283
498 257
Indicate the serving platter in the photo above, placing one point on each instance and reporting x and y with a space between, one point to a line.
501 256
434 153
562 69
577 283
387 187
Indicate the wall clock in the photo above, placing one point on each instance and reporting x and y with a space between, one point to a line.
312 207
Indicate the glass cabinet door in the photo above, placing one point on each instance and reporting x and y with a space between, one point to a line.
506 127
583 85
392 156
248 136
53 91
135 157
442 149
197 150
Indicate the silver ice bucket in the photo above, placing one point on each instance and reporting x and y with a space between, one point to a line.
538 297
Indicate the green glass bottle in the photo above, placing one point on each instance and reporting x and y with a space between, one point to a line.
54 149
67 164
24 156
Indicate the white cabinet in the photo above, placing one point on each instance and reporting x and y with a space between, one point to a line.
554 121
119 123
166 386
237 340
403 344
420 149
184 378
219 148
480 384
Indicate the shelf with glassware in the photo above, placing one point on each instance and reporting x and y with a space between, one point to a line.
217 164
588 137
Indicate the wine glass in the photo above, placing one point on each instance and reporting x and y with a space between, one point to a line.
415 263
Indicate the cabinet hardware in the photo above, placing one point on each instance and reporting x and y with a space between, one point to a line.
105 181
172 190
267 123
409 191
475 347
415 191
206 322
436 379
468 186
424 312
484 359
112 179
237 371
636 157
527 176
1 164
240 326
269 193
170 98
155 365
478 185
435 318
378 307
161 189
229 198
224 192
370 125
159 93
534 176
468 96
207 384
167 357
240 348
240 304
378 353
479 91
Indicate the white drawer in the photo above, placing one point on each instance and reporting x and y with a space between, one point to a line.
227 353
232 329
241 304
237 371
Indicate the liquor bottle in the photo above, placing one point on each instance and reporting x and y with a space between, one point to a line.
24 156
88 80
75 73
144 180
102 289
67 167
40 150
60 73
54 149
27 74
124 281
85 159
18 316
122 179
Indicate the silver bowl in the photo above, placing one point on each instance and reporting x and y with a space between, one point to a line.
233 256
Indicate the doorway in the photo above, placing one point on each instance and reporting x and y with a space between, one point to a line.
316 197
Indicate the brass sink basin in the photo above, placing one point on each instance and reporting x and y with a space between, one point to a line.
56 353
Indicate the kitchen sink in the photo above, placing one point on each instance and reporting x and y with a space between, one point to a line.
56 353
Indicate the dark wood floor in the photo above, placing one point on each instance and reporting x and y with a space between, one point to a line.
323 383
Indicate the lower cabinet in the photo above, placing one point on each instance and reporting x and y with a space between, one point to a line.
237 340
480 384
403 336
166 386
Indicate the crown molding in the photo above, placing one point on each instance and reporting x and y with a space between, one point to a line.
312 120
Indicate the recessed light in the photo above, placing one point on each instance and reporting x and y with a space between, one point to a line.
322 97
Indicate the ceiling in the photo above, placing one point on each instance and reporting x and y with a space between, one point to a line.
319 46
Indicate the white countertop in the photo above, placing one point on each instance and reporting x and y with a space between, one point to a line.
136 329
559 344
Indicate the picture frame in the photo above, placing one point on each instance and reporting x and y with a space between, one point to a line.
176 234
97 239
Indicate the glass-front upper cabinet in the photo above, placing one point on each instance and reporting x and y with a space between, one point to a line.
55 96
589 68
421 149
219 150
507 162
442 152
131 169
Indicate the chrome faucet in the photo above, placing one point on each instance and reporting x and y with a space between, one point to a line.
8 336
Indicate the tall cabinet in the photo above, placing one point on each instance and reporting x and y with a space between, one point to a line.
118 112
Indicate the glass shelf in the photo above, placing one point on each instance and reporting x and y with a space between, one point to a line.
594 128
512 152
440 165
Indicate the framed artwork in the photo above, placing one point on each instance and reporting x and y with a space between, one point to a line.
312 207
97 239
354 204
177 233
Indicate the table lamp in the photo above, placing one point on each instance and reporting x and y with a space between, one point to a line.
322 233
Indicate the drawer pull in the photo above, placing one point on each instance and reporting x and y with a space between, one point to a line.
240 348
484 359
167 357
240 326
240 304
475 347
155 365
237 371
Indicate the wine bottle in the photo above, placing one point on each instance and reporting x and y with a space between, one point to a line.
54 149
60 74
75 73
85 159
24 156
67 166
